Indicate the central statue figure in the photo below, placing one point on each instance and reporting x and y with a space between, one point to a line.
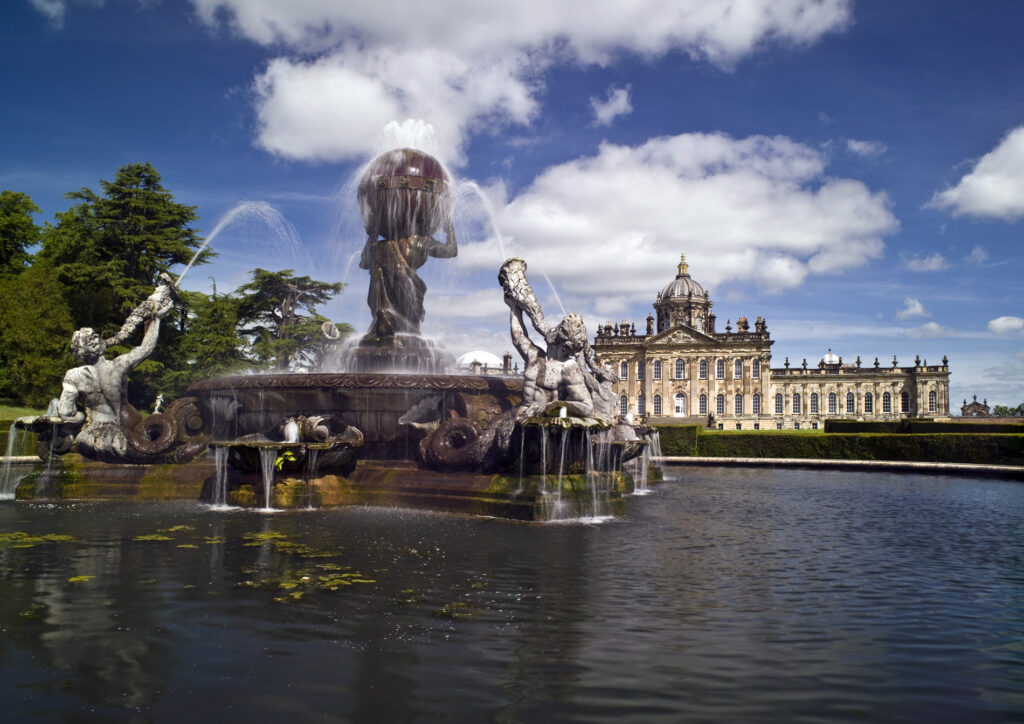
405 199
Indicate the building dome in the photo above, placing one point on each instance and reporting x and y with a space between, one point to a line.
479 356
682 286
829 358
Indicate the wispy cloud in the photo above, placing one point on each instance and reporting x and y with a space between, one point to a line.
978 255
866 149
615 103
934 262
1006 325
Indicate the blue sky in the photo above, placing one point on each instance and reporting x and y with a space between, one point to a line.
851 171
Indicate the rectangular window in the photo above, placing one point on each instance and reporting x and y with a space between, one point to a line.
739 404
739 426
623 370
814 426
757 425
831 403
887 403
703 408
720 405
850 403
657 369
778 405
641 371
757 405
755 369
814 403
869 403
720 369
738 370
703 369
778 425
641 405
796 425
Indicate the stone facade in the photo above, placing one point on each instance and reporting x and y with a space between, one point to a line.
681 367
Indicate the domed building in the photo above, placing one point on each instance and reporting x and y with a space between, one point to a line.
681 367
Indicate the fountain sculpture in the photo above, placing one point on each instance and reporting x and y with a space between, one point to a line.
396 426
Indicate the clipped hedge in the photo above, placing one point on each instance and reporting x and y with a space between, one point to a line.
985 449
907 427
678 440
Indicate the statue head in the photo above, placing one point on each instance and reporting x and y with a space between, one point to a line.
571 333
87 345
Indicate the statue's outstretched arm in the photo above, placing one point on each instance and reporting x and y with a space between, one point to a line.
523 344
448 249
134 357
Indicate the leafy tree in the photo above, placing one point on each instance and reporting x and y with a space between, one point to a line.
109 250
35 335
1004 411
270 312
18 232
210 343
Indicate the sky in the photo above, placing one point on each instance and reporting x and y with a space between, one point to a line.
853 172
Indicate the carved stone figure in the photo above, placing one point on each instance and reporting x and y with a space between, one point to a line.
552 374
98 385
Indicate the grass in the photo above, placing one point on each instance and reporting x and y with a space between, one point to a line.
10 412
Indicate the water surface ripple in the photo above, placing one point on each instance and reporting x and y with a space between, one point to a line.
726 595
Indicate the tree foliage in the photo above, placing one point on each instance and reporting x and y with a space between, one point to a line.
270 312
109 249
18 232
1004 411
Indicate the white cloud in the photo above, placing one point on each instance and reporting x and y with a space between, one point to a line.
912 308
56 10
757 209
463 66
931 329
1006 325
995 186
867 149
935 262
978 255
616 104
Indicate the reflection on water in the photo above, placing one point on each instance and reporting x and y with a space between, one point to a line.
744 595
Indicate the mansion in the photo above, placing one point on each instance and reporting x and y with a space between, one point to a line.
681 367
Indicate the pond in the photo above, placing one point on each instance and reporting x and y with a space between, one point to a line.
725 594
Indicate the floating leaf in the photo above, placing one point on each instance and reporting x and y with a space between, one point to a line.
80 579
177 528
187 545
152 537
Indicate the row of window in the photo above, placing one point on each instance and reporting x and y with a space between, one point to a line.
832 400
680 370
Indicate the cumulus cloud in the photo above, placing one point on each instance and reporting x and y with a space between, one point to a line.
912 308
615 104
995 186
1006 325
867 149
934 262
930 329
759 208
463 66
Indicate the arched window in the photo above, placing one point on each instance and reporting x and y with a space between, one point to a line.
851 404
657 405
832 403
778 403
814 403
904 402
703 369
739 404
886 403
623 405
657 369
720 405
680 369
756 404
703 402
933 401
737 372
869 403
755 369
641 405
720 369
796 403
624 370
680 405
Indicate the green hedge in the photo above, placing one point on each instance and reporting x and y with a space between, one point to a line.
678 440
990 449
906 427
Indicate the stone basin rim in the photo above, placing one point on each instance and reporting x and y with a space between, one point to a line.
359 380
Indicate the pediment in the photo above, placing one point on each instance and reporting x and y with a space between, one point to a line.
684 336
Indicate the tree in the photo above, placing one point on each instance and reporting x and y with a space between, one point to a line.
210 344
109 250
1004 411
270 316
18 232
35 335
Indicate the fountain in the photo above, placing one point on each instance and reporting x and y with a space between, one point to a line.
396 427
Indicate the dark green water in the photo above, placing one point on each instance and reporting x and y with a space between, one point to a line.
725 595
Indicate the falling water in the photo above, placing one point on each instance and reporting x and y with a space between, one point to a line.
8 482
267 457
291 431
282 231
310 474
220 491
